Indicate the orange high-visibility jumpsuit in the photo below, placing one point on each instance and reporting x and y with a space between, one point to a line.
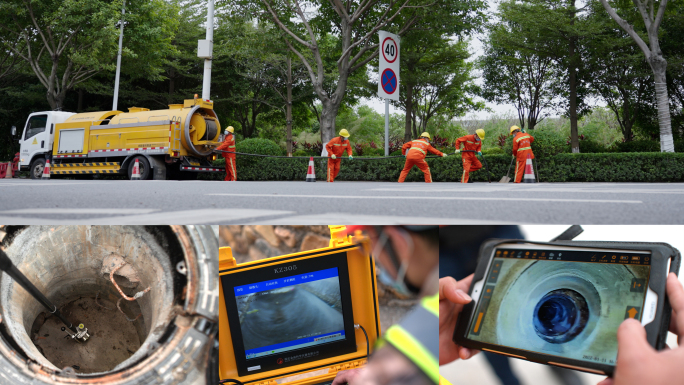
415 152
338 147
522 146
470 161
229 145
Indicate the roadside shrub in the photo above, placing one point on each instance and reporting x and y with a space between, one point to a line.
568 167
638 146
589 146
546 143
492 151
259 146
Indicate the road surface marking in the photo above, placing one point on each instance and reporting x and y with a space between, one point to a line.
540 190
51 211
521 199
187 217
352 218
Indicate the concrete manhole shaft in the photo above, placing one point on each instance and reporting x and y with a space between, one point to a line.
122 283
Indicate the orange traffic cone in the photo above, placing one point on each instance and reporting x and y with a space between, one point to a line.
311 174
46 170
9 174
135 175
529 171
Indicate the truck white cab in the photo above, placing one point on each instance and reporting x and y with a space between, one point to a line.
37 138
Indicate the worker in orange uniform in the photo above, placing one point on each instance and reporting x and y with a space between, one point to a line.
522 146
229 145
335 148
415 152
470 161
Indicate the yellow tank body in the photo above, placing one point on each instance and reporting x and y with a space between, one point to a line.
189 129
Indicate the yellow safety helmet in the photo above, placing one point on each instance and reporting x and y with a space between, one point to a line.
480 132
229 129
425 135
513 128
344 132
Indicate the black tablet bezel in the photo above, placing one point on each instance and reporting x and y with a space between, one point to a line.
656 330
279 270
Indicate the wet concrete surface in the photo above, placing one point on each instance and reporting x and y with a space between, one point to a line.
113 339
282 316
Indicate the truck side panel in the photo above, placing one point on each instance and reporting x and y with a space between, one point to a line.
70 140
138 138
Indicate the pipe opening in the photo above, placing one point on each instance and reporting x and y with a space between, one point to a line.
74 267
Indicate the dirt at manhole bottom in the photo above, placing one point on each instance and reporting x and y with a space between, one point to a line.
112 338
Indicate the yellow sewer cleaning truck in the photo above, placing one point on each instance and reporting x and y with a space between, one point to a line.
175 143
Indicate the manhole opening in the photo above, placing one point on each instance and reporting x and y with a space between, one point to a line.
73 266
115 335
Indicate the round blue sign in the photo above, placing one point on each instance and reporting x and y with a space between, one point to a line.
388 81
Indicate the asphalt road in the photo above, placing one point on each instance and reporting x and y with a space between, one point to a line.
212 202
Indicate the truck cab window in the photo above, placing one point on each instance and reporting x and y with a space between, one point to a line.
35 125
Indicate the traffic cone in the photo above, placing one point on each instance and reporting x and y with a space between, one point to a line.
529 171
136 171
9 174
311 174
46 170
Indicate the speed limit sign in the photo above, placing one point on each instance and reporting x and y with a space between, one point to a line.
390 51
388 69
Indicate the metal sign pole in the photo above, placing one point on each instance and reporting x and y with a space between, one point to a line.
206 82
118 60
386 127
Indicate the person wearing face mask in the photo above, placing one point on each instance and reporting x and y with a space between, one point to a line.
407 353
335 148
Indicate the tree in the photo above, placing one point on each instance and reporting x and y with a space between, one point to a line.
67 43
262 79
619 75
63 42
671 35
552 29
9 60
449 20
520 77
353 23
654 57
444 85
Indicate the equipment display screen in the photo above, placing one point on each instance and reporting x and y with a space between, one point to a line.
289 313
566 303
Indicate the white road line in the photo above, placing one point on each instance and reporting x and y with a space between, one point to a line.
360 197
528 190
47 183
50 211
352 218
187 217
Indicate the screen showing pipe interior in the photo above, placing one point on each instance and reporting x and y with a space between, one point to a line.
561 303
290 313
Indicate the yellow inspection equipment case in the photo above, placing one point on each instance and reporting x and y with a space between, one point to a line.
309 365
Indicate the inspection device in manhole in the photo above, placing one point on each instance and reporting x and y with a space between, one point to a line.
147 294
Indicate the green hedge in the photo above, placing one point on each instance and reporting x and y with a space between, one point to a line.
614 167
601 167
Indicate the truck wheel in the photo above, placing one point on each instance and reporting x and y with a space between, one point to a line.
36 169
144 164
